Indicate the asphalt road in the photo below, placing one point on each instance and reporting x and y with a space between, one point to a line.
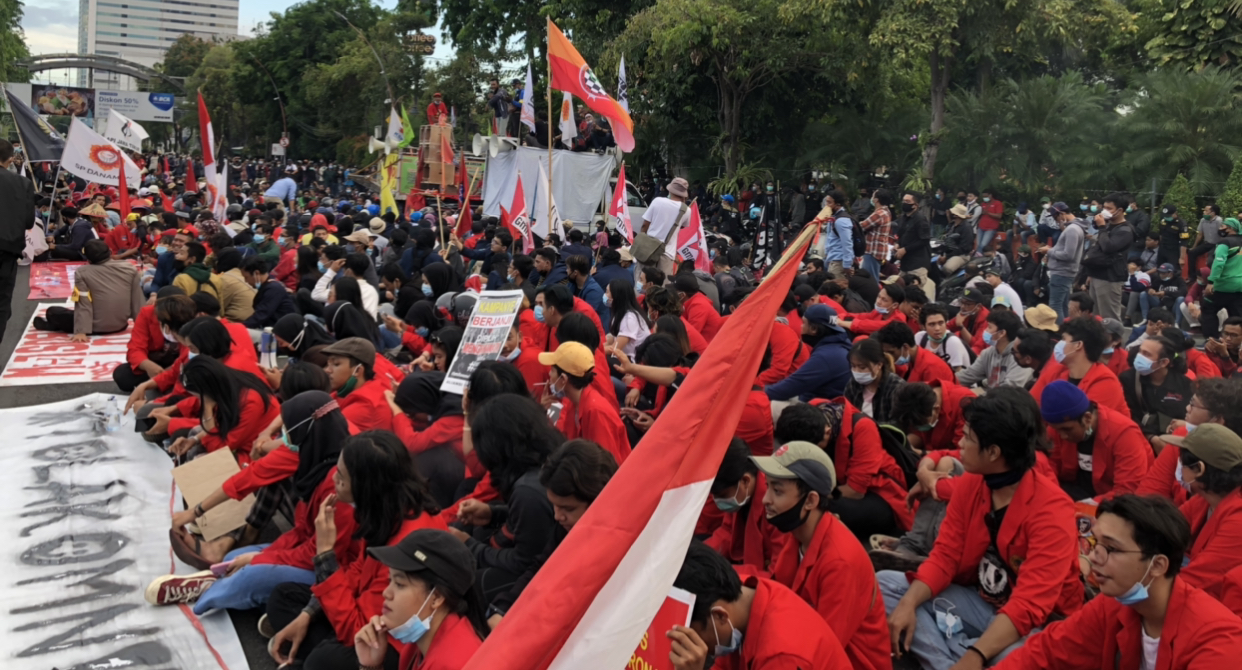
246 623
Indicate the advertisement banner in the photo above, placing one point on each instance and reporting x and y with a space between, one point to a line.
136 105
654 649
485 335
53 100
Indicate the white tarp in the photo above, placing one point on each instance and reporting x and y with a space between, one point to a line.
579 183
85 524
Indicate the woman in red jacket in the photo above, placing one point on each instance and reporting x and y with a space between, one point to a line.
1006 559
430 424
316 623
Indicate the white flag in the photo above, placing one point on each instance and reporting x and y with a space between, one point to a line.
569 129
528 97
396 132
623 93
453 116
545 225
124 132
89 156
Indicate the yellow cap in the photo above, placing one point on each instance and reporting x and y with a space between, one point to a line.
572 357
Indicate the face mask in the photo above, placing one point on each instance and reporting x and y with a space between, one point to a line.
988 338
711 254
1106 215
907 207
1178 472
923 428
284 435
161 250
939 197
1058 352
1082 207
517 351
729 505
987 200
881 310
1138 592
322 267
734 644
811 188
1130 208
259 237
559 393
789 520
949 623
427 291
904 360
1095 209
414 629
1045 206
282 240
539 313
1143 365
349 386
1109 350
190 356
769 189
863 378
167 336
258 285
422 331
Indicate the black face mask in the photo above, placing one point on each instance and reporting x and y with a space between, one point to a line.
811 339
907 207
789 520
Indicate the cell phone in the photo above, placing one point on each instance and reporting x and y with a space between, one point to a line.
221 569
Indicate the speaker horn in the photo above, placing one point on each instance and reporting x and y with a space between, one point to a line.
375 145
479 144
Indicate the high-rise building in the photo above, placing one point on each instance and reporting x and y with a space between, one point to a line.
142 30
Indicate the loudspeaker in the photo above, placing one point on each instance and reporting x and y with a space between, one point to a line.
479 144
374 145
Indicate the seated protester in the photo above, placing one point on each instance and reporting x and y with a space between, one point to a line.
171 312
1198 365
887 308
344 319
573 476
107 293
628 324
316 624
1097 452
584 413
1211 461
972 319
301 339
676 328
788 350
744 537
822 561
1215 401
355 386
265 245
697 308
912 306
525 360
753 624
306 273
1077 358
1003 293
931 414
1006 558
1115 354
1032 351
415 327
914 364
658 373
553 304
661 302
996 367
936 338
429 423
874 383
430 604
1140 546
1157 389
236 295
1168 288
330 265
584 286
870 496
192 275
271 300
1158 319
578 327
318 429
513 438
825 372
400 290
207 305
1224 351
148 351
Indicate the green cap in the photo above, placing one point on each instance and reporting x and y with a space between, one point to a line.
1213 444
803 461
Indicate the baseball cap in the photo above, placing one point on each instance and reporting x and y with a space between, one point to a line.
803 461
1168 210
1113 326
1165 267
1060 207
974 295
1001 300
1042 317
626 256
822 315
1211 443
428 550
991 269
356 348
574 358
361 235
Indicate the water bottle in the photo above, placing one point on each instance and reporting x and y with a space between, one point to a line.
113 416
267 349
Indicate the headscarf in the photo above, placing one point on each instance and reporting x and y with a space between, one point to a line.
419 392
440 277
448 337
1234 225
423 314
300 333
316 425
344 320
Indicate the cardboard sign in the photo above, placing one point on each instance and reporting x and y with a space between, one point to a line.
200 478
654 649
489 325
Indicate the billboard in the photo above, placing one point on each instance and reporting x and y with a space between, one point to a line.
90 104
52 100
136 105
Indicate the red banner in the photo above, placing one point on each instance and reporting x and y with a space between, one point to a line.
44 357
52 281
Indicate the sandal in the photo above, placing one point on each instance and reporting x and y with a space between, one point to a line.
188 554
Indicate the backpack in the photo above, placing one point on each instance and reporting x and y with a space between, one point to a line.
857 237
896 445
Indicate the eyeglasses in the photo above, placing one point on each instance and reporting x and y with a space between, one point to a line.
1193 405
1109 551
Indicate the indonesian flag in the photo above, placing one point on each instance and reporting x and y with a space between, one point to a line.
591 603
123 195
692 243
518 220
621 209
571 73
215 195
446 155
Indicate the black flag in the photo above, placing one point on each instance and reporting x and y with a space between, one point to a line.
40 141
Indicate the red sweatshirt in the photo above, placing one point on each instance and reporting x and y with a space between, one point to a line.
366 408
784 633
928 367
1161 479
862 463
1120 460
596 420
1216 541
145 339
788 354
1100 385
254 418
749 541
865 324
700 312
296 547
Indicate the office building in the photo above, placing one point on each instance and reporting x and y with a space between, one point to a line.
142 30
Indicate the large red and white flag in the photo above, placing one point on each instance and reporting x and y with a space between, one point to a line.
590 604
620 209
518 219
214 195
692 242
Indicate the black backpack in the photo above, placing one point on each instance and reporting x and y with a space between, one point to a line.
896 445
858 238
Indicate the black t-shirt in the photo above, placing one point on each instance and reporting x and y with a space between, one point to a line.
1169 399
1082 487
996 578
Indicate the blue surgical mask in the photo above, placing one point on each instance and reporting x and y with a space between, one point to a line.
1058 352
190 356
1143 365
730 505
558 393
1138 592
863 378
949 623
161 249
988 339
881 310
258 285
1109 351
414 629
322 267
735 641
904 360
422 331
539 313
284 435
427 290
282 240
1082 207
259 237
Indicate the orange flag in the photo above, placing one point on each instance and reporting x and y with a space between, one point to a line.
571 73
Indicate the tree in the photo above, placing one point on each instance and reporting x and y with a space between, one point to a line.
214 79
1181 195
1230 200
12 42
184 56
1194 35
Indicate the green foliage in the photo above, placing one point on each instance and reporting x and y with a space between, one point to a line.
1194 34
184 56
213 77
1230 200
737 182
12 42
1182 195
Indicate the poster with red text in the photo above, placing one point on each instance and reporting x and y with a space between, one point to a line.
654 649
44 357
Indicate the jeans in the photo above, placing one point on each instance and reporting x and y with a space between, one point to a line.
249 587
871 264
1059 289
1142 303
1047 234
985 240
934 649
1177 311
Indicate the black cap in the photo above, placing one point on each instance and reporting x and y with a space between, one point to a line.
974 295
431 551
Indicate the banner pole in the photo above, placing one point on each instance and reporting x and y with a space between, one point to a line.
549 194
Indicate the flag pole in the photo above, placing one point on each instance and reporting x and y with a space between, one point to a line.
440 223
549 194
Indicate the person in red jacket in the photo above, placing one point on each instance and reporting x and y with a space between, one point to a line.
1096 451
789 352
887 308
149 351
526 360
430 603
1145 616
661 302
435 109
941 426
823 562
1216 400
585 413
1077 360
755 624
698 308
744 537
972 319
316 624
914 364
989 221
122 240
1211 461
1006 559
351 371
431 425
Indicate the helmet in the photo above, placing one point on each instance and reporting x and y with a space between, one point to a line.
234 208
754 212
416 217
373 210
727 198
455 308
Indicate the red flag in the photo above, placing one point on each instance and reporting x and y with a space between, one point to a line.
465 219
123 196
414 202
504 221
621 209
446 155
571 73
463 180
166 201
167 168
590 604
191 182
692 243
520 220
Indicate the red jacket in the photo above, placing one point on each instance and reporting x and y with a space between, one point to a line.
242 344
1201 364
1217 541
484 491
1161 479
951 421
297 547
1118 362
355 592
453 646
286 270
414 342
534 372
1038 540
254 419
145 339
699 311
825 300
836 578
121 238
242 357
862 463
365 407
1231 591
1121 458
865 324
783 633
755 427
976 328
434 111
277 465
788 354
698 343
596 420
443 432
927 367
1198 633
751 541
1100 385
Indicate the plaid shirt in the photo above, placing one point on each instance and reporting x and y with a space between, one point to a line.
876 231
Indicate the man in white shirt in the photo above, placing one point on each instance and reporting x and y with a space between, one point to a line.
1002 290
663 215
936 338
354 265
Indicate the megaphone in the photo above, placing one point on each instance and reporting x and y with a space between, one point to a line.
497 145
374 145
479 145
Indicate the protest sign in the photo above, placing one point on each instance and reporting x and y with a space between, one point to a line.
485 334
202 477
654 649
45 357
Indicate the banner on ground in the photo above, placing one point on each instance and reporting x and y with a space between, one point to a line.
85 527
89 156
52 280
124 132
493 316
45 357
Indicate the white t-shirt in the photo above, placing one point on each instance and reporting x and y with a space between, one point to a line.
1015 301
1151 646
662 215
632 326
951 350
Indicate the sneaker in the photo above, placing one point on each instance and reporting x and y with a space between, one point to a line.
884 542
265 628
173 589
882 559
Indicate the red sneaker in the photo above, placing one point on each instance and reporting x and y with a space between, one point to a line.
173 589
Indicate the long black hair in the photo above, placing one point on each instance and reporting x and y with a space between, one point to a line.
211 378
493 378
300 377
386 486
347 289
209 336
512 436
624 301
469 605
672 325
308 262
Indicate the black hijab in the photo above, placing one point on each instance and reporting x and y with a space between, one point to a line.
423 314
440 277
344 320
301 333
448 337
318 428
419 393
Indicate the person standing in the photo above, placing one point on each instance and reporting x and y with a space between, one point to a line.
1172 230
435 110
989 221
1224 287
876 229
1208 236
664 216
1105 261
839 242
914 243
17 215
1064 258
